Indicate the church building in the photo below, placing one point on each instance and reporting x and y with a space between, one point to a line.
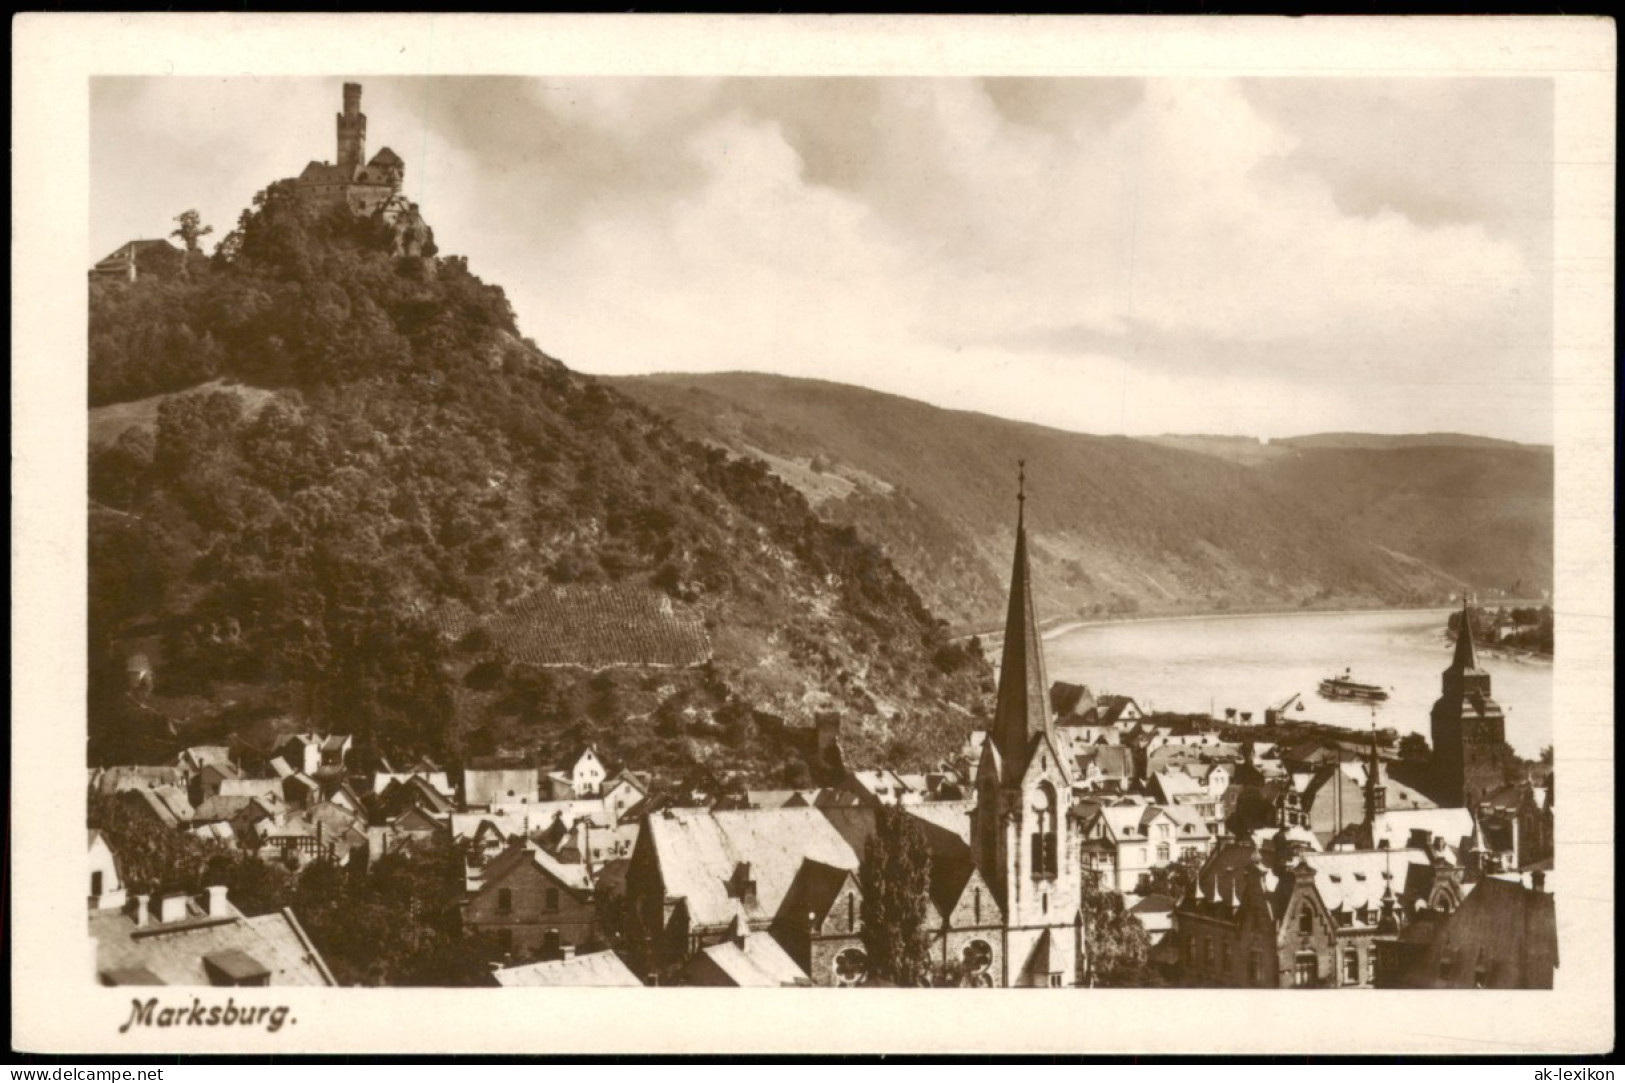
1005 891
1020 828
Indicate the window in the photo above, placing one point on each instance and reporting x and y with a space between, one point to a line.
1306 972
851 913
504 901
1163 853
552 946
234 967
1351 967
550 901
1255 967
1055 981
976 906
1371 967
96 882
851 967
1045 856
1306 920
1162 831
977 958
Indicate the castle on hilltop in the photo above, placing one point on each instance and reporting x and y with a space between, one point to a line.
364 188
372 189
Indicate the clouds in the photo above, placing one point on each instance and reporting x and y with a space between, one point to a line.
1105 254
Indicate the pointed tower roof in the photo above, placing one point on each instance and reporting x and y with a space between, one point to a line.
1464 677
1466 658
1023 704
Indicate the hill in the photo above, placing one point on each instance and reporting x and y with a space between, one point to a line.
335 488
1162 525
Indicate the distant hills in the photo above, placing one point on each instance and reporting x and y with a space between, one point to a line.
1168 524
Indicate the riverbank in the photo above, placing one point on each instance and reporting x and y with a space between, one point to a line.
1058 626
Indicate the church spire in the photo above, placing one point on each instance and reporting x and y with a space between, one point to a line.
1023 710
1376 794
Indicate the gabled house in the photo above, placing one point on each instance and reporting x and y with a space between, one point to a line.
316 754
197 757
584 777
130 260
415 792
529 904
493 780
106 882
1123 844
425 770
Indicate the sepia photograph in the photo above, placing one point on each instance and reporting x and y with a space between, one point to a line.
872 530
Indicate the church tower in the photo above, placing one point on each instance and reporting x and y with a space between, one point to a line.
1020 831
1469 729
352 133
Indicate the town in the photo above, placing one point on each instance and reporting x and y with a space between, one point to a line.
1075 841
1075 822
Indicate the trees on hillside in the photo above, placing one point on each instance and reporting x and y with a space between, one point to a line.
895 879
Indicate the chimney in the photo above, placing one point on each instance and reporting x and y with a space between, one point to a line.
172 908
140 912
214 902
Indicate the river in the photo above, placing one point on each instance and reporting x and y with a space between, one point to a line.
1198 664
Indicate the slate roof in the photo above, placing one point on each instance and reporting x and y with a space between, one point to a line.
1133 822
815 889
175 954
758 962
130 253
1111 708
1169 786
107 780
699 851
168 803
1502 933
600 968
1355 879
1394 827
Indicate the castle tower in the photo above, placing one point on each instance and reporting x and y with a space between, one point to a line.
352 133
1469 729
1020 831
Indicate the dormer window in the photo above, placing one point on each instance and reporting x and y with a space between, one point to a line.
234 967
742 885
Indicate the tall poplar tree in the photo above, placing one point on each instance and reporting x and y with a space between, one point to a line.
896 878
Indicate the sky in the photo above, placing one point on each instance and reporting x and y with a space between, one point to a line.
1263 257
